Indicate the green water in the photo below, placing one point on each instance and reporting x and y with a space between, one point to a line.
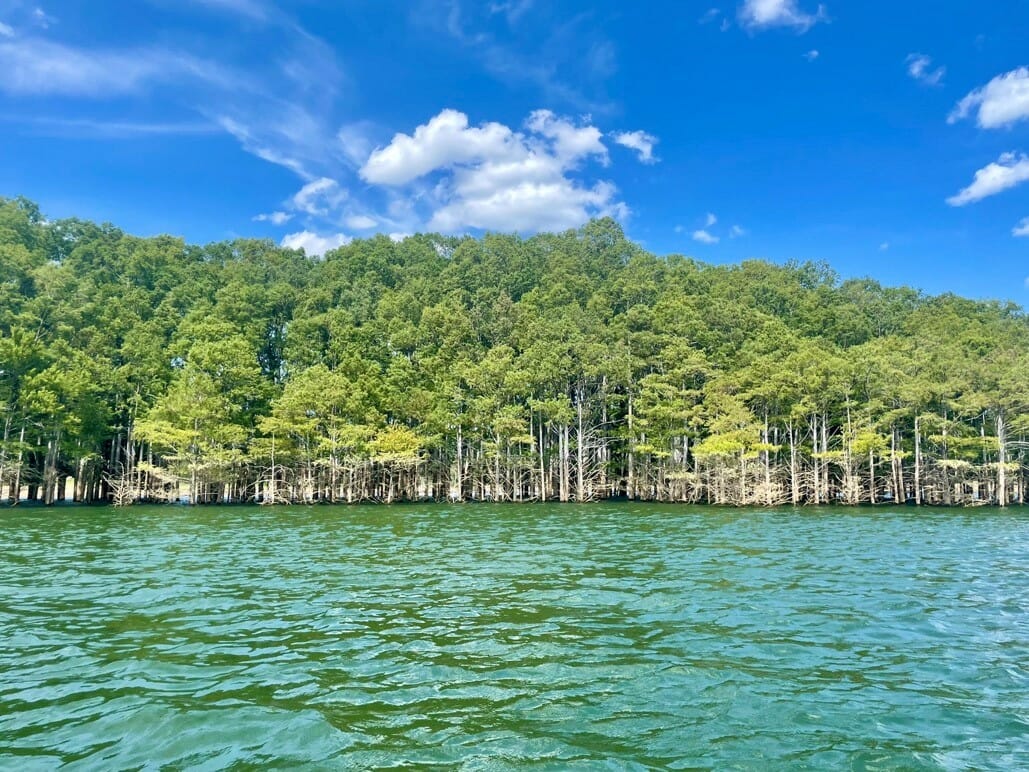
478 637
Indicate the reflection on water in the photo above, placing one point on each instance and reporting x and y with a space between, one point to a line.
608 636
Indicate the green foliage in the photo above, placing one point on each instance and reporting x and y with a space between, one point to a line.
572 364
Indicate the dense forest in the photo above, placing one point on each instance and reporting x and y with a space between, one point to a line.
571 367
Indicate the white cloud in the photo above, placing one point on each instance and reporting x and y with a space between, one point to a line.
354 142
33 67
512 9
249 8
570 142
261 147
704 237
709 16
275 218
399 236
639 141
812 55
736 232
490 177
1022 229
313 244
42 19
6 31
319 197
360 222
1001 102
884 246
758 14
80 128
444 141
1006 172
542 205
710 220
920 68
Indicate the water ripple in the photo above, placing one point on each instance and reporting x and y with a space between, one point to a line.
492 638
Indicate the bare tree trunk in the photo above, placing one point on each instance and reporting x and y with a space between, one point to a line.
630 481
794 481
565 492
543 471
871 476
580 449
16 482
918 464
1002 460
814 458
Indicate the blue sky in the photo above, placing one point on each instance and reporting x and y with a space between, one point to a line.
889 139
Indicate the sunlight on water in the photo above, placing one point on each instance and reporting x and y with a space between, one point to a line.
490 637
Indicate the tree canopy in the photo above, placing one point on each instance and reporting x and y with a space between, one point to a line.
569 366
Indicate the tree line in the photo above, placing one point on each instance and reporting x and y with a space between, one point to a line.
570 367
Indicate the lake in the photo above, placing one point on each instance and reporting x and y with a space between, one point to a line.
609 636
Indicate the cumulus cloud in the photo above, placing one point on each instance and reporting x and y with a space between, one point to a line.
920 67
446 140
710 219
1022 229
1001 102
313 244
812 55
640 141
1006 172
570 142
492 177
760 14
704 237
6 31
275 218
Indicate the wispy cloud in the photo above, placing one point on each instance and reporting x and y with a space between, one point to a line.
1022 229
920 68
811 55
361 222
319 197
1006 172
253 9
79 128
36 66
762 14
275 218
705 237
1001 102
569 65
513 10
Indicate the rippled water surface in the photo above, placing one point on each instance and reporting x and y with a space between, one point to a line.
593 637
